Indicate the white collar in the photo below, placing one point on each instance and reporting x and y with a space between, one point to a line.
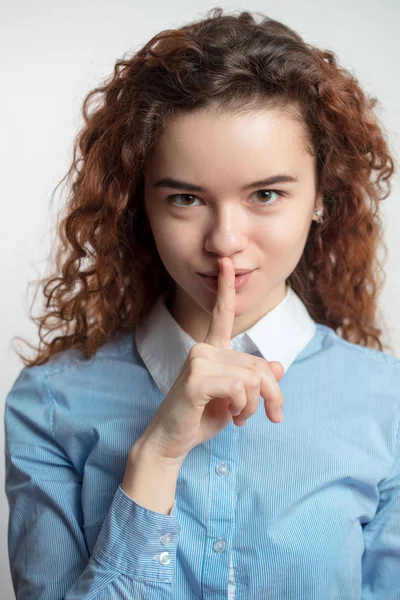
279 335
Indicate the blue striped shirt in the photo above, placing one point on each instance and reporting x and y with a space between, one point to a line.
305 509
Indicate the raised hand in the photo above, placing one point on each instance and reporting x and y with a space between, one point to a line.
214 383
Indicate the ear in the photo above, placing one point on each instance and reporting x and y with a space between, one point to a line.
319 201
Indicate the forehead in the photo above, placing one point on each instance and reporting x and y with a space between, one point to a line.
206 143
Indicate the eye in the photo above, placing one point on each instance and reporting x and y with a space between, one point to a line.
268 203
170 198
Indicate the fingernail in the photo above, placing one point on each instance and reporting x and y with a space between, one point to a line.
279 414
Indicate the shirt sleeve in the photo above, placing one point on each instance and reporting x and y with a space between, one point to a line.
381 557
135 552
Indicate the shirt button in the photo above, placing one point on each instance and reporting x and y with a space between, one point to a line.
222 469
219 545
164 558
166 539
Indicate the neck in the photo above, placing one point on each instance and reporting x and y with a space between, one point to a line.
195 321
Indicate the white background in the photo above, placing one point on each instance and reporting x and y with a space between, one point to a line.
53 53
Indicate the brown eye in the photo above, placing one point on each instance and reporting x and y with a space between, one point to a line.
267 198
170 198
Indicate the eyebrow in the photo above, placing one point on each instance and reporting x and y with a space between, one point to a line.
175 184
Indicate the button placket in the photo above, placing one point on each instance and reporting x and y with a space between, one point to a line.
219 545
166 539
220 520
222 469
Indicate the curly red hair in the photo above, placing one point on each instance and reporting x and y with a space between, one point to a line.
108 274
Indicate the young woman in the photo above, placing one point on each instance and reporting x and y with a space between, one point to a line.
218 260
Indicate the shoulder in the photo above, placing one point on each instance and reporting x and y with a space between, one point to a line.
73 367
60 395
362 374
346 351
119 349
366 379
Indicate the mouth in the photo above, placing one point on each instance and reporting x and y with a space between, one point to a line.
237 272
211 281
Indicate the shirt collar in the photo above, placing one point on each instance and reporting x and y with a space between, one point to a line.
279 335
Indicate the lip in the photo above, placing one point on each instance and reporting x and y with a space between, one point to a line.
240 280
237 272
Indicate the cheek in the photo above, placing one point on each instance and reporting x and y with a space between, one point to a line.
289 231
283 243
174 240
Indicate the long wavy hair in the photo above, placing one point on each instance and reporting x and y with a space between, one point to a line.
107 272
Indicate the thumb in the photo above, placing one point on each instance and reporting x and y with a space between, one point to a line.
277 369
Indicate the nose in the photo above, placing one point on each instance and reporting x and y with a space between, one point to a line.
227 232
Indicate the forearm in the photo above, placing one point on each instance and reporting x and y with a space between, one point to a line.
149 481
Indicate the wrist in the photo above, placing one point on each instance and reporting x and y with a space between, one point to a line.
148 448
150 480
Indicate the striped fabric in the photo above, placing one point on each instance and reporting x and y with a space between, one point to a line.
305 509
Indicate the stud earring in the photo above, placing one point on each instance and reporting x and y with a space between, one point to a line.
318 214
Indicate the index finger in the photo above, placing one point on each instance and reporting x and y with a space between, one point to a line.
223 315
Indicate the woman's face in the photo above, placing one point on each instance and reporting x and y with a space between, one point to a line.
219 212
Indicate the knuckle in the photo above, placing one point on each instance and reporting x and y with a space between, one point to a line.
237 385
221 307
196 364
276 401
254 380
217 308
275 395
197 350
259 363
